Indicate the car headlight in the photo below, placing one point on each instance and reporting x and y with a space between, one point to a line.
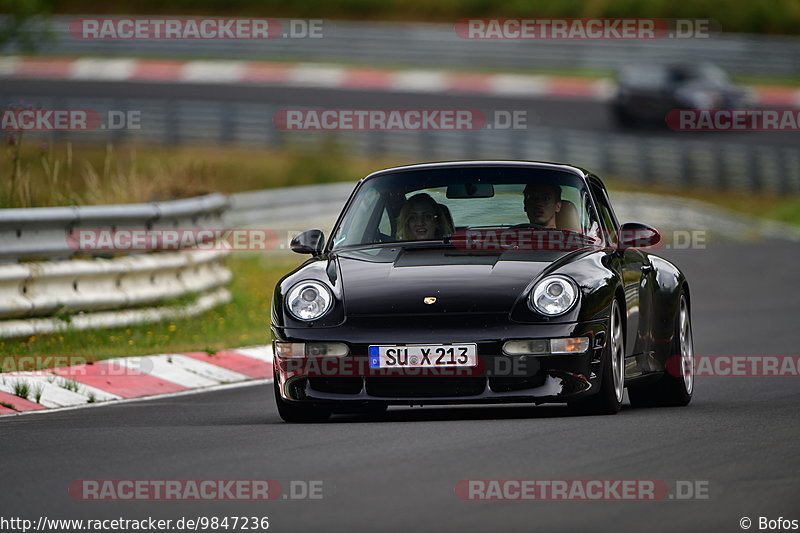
553 296
309 300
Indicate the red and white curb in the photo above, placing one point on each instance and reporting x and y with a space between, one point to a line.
130 377
333 76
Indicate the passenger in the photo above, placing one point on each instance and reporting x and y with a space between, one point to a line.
422 218
542 203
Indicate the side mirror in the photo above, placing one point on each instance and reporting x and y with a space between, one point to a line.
635 235
309 242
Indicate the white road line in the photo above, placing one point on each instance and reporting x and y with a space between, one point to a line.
102 69
517 84
8 65
419 81
213 71
317 75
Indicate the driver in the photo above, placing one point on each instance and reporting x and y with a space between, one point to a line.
542 202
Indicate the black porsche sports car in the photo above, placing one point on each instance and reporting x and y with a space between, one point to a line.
480 282
647 93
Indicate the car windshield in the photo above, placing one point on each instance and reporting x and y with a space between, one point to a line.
431 204
661 75
644 76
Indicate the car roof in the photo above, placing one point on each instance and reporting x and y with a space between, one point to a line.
583 174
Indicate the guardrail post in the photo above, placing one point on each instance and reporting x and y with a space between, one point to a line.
644 159
718 169
120 134
557 141
754 168
603 155
427 145
375 145
172 130
227 123
274 137
783 171
684 166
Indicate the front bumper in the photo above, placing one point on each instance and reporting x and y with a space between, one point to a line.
498 379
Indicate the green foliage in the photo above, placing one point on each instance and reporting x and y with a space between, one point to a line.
22 389
24 24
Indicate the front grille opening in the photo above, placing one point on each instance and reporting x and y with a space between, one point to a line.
424 387
336 385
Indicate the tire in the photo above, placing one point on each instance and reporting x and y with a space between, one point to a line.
300 412
672 390
608 400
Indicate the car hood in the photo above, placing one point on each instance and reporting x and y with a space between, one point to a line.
390 281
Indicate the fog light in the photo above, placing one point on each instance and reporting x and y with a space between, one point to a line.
311 349
527 346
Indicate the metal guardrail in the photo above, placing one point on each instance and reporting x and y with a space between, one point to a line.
63 289
438 45
631 156
47 288
41 232
276 206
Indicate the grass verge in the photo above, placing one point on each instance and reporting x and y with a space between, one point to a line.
36 174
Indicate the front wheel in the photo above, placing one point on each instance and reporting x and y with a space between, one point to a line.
300 412
608 400
675 387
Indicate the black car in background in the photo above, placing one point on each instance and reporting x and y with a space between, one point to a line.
647 92
480 282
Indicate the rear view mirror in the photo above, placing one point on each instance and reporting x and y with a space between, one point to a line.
309 242
470 190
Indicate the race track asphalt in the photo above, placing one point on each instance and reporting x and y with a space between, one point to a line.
575 114
398 473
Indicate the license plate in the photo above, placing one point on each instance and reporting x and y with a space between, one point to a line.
423 356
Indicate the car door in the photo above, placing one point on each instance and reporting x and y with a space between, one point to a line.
635 269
